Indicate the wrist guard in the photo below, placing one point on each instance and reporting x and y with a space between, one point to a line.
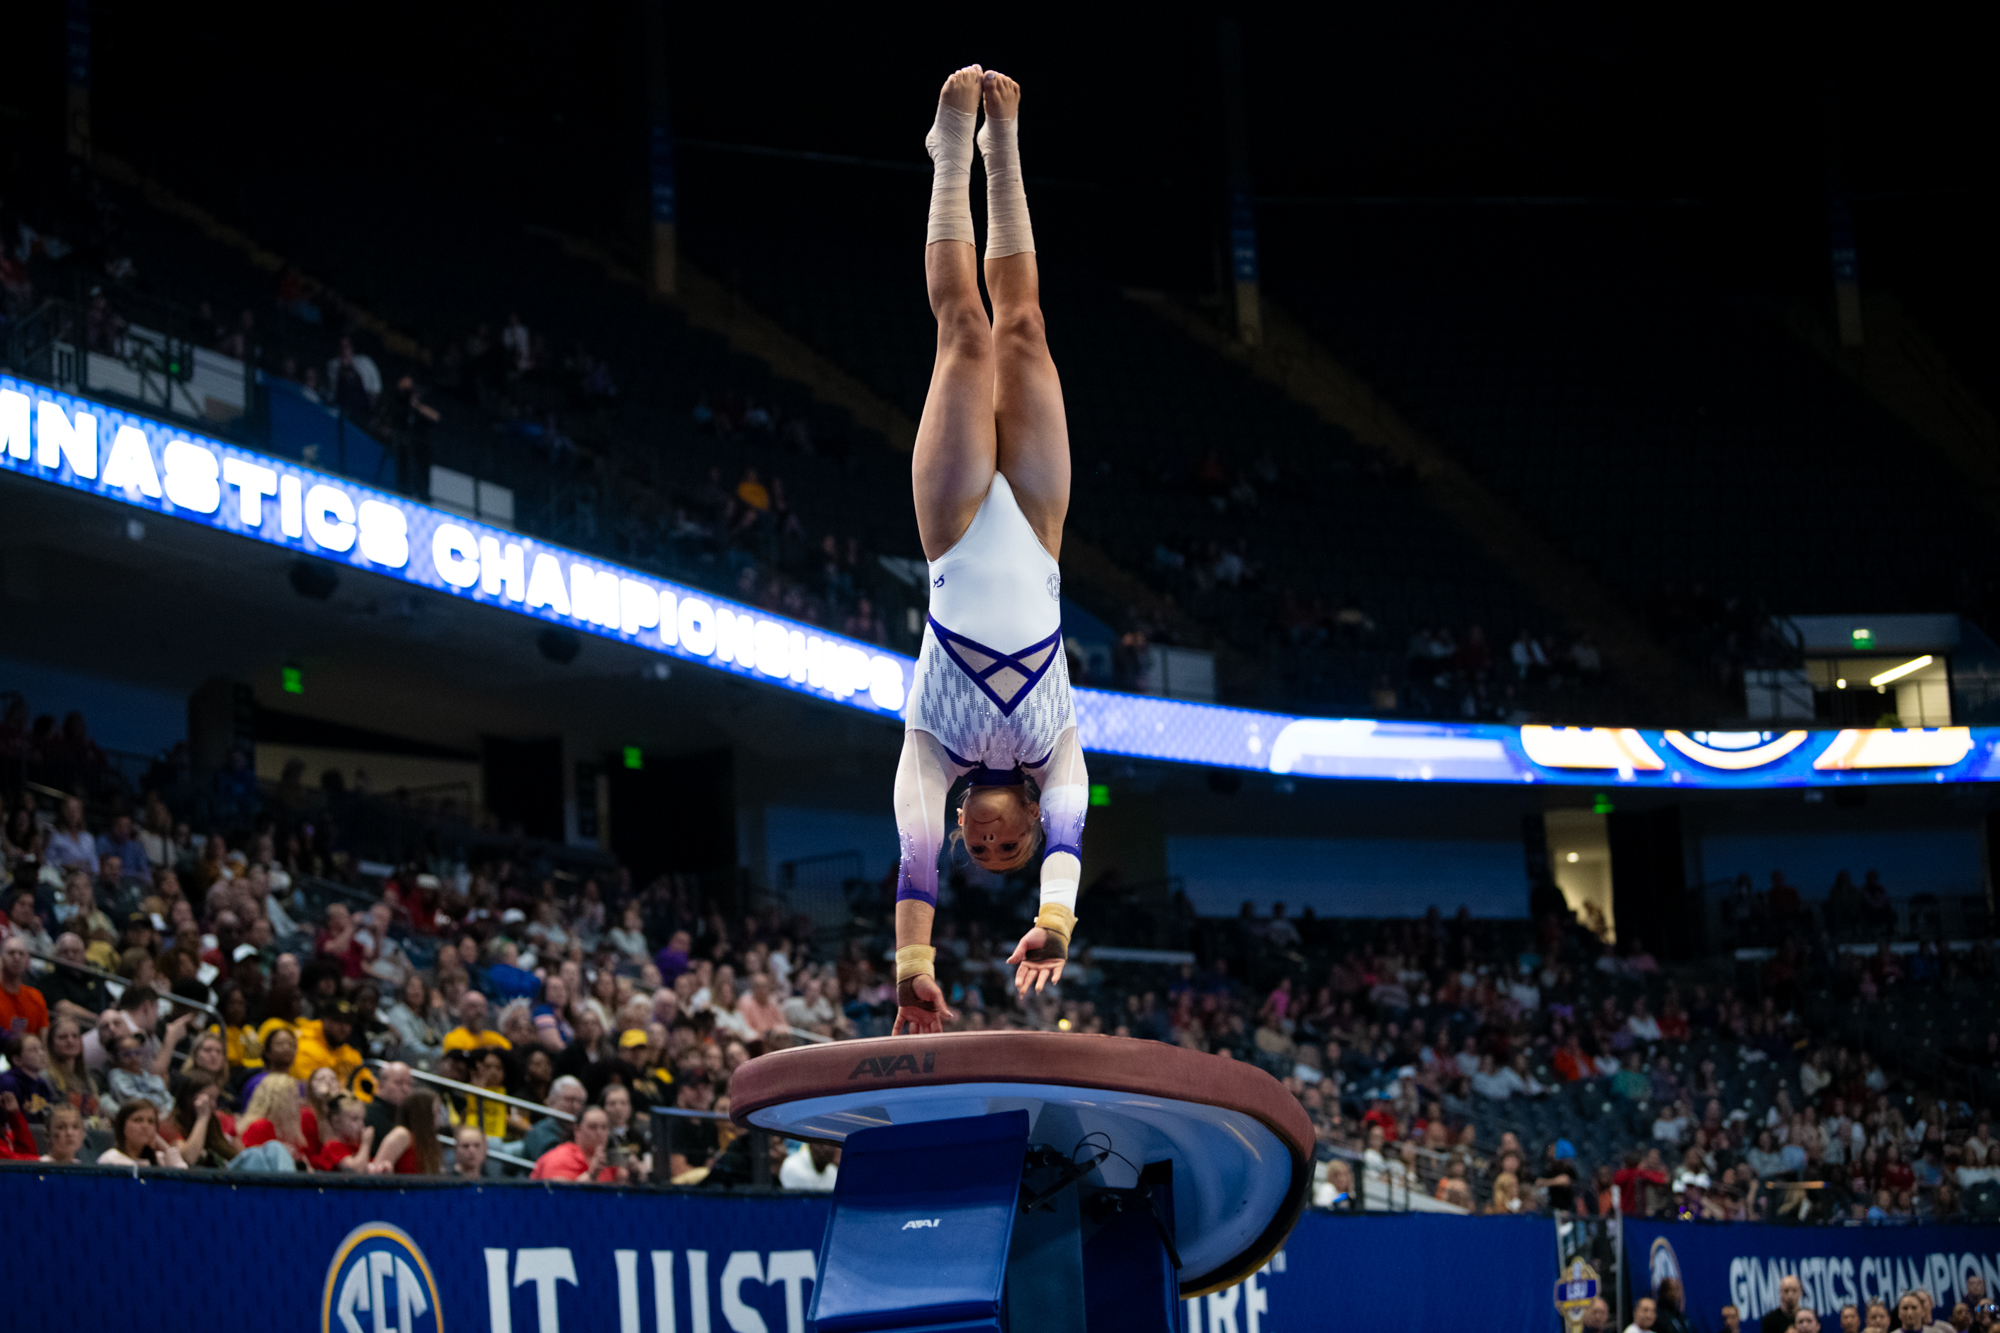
1059 923
913 961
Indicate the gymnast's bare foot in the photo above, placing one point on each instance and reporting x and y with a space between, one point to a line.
961 90
1001 94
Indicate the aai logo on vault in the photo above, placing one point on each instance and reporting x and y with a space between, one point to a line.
379 1282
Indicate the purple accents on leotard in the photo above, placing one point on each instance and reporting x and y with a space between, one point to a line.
956 646
982 776
1077 852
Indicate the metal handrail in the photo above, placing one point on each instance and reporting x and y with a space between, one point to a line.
491 1151
124 982
474 1090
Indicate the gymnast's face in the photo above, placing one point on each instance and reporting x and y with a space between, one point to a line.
999 826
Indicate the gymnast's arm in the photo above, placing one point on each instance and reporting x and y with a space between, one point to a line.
1065 784
924 776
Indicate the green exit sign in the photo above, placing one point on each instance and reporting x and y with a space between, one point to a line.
634 757
1100 794
1864 638
293 679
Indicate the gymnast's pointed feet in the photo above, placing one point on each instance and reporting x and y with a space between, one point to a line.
961 90
1001 95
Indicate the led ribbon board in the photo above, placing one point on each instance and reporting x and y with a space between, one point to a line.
86 446
105 451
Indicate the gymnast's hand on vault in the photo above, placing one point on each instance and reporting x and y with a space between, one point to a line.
1031 971
920 1007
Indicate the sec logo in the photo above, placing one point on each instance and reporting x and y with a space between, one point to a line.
379 1282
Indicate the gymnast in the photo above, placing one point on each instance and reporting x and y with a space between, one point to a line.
991 479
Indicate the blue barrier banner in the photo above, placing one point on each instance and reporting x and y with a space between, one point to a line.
346 1256
1741 1264
165 470
1405 1271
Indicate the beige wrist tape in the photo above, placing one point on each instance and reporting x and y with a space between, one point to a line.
1057 920
915 960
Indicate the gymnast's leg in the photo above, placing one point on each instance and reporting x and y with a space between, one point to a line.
952 466
1032 430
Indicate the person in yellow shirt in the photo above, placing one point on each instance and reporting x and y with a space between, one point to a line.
472 1035
323 1044
489 1071
241 1044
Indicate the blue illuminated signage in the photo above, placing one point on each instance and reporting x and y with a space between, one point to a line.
100 450
86 446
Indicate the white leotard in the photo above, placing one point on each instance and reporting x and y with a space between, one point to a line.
992 679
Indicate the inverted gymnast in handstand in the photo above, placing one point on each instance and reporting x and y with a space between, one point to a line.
991 478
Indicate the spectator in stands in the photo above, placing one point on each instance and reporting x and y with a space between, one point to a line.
66 1135
323 1044
22 1008
24 922
567 1098
759 1014
468 1160
413 1144
584 1158
135 1136
488 1073
27 1078
275 1118
70 843
814 1166
692 1142
121 841
412 1016
551 1015
131 1079
1643 1312
1791 1292
473 1031
17 1137
392 1086
1670 1302
349 1145
197 1127
1598 1315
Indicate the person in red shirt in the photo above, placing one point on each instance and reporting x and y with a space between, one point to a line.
583 1157
1383 1116
338 940
1570 1062
17 1137
22 1008
1634 1178
276 1115
351 1145
1897 1174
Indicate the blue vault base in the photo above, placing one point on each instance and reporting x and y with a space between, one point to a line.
963 1226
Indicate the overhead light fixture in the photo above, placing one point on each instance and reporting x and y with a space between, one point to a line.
1574 858
1840 684
1897 673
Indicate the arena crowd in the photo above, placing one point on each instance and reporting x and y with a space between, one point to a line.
1448 1064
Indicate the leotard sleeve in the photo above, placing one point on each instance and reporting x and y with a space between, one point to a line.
923 779
1065 784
